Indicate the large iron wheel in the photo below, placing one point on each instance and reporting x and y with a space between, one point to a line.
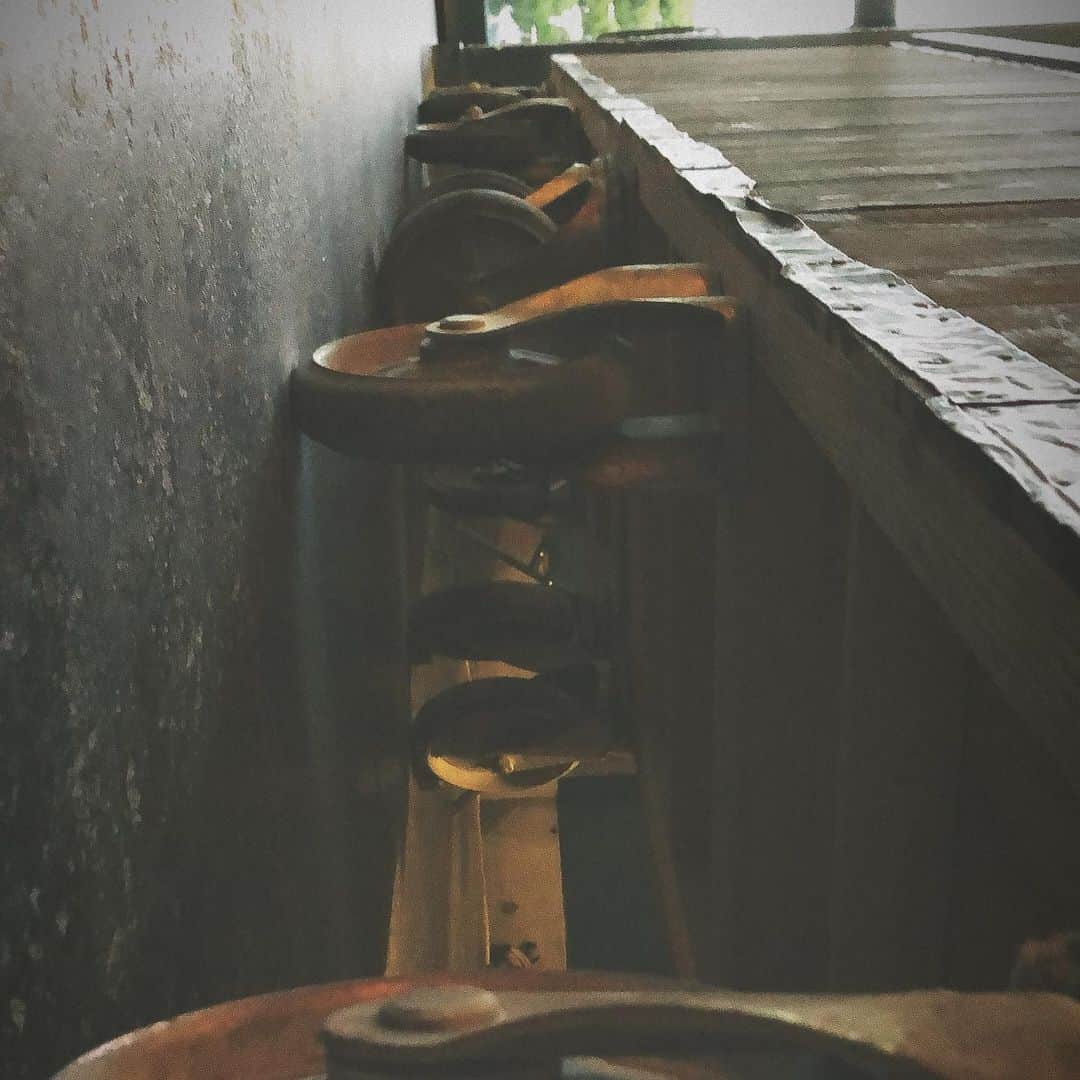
449 254
464 410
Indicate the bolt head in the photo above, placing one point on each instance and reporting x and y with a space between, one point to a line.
462 322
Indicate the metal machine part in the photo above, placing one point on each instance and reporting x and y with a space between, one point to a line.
474 246
447 103
539 136
952 1036
499 488
500 736
471 1031
463 390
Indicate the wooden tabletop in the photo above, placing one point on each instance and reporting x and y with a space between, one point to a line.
959 173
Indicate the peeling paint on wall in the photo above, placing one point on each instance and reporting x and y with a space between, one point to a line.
192 196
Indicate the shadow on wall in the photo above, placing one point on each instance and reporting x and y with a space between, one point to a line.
193 196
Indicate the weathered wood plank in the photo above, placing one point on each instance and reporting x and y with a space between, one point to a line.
877 118
946 189
1050 332
821 156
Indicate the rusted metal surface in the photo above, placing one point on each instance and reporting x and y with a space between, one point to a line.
448 103
277 1035
441 1031
994 1037
592 293
465 390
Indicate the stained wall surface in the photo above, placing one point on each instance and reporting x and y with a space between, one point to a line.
199 612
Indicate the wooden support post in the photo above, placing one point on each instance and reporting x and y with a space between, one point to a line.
906 688
650 708
781 547
874 14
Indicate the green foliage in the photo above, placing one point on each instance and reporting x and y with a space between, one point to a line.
677 12
596 18
535 14
637 14
530 15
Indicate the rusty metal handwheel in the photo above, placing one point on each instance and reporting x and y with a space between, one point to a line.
473 388
500 735
924 1033
528 626
451 254
466 411
470 1031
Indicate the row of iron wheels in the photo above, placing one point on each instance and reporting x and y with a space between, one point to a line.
518 368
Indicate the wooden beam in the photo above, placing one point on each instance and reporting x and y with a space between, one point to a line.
781 551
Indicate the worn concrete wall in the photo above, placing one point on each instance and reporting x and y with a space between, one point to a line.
198 612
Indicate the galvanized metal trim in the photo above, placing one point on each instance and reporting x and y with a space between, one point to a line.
1039 53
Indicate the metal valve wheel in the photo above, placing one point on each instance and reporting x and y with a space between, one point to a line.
467 389
452 253
553 1015
470 247
501 735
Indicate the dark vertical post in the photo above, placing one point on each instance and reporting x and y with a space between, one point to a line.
905 701
874 14
462 21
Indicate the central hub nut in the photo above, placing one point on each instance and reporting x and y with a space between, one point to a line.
462 322
440 1008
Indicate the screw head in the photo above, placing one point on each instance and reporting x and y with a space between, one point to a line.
440 1008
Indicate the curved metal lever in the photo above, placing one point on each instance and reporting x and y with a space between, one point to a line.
913 1035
